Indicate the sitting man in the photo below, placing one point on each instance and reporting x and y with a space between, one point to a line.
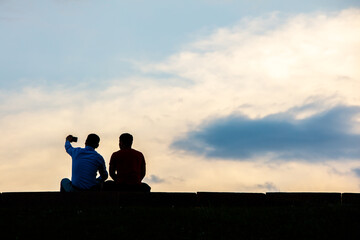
86 162
127 168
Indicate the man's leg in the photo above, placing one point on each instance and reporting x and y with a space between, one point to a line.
109 186
142 187
112 186
145 187
98 187
66 185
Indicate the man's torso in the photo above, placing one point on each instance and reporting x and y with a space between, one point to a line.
129 165
85 164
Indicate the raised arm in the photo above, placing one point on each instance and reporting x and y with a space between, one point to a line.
69 149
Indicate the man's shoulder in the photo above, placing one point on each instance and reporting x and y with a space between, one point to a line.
136 151
94 153
98 154
116 153
127 152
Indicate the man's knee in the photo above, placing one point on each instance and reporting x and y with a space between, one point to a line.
109 186
65 185
145 187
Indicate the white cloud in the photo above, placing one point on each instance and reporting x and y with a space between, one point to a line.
314 55
249 68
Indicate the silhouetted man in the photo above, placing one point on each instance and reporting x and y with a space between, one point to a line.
86 162
127 168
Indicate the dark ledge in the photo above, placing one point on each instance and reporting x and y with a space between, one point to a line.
177 198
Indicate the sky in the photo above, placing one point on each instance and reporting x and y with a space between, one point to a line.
227 96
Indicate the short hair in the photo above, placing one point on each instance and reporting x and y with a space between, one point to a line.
92 140
126 139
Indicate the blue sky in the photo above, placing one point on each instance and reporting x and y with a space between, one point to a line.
263 94
67 41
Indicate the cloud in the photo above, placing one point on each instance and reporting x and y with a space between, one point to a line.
267 186
357 172
323 136
154 179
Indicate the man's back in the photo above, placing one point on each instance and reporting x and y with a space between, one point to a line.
85 164
129 165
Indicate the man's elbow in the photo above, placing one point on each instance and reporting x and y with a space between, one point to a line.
106 175
143 173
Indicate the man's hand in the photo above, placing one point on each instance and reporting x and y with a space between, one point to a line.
68 138
71 138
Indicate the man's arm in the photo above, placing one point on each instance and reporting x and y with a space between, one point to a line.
143 167
103 173
112 168
69 149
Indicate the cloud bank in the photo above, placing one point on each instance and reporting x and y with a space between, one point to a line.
323 136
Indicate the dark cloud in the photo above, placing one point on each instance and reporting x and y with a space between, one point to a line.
322 136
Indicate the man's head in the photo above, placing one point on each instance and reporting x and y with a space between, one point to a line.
126 140
92 140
